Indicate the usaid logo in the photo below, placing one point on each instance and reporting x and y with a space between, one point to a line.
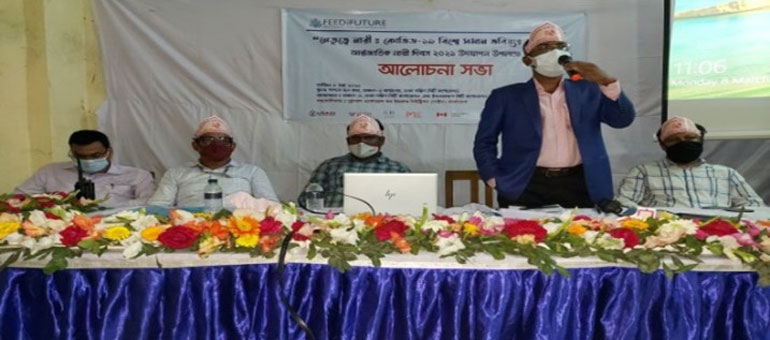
348 23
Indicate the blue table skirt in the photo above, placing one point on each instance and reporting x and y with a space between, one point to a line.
241 302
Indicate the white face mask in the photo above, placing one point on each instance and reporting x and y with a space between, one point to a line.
363 150
547 63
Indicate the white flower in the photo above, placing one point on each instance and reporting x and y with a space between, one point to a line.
590 235
608 242
494 224
286 217
449 245
184 217
56 225
237 213
552 227
37 218
359 225
145 221
765 244
343 235
434 225
41 244
134 238
133 250
15 239
764 258
675 227
729 245
128 215
341 219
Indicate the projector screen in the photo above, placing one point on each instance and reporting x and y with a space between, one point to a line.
719 66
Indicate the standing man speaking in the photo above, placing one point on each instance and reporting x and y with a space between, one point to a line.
552 147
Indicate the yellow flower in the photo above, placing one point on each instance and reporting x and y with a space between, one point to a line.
202 214
248 241
632 223
470 229
525 239
9 227
118 233
243 226
208 246
576 229
150 234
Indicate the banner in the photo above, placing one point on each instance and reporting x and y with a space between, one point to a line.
424 67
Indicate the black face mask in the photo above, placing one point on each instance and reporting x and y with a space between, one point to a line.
684 152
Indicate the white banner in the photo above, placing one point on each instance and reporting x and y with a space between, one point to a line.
425 67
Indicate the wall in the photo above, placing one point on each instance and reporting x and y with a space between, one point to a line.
50 82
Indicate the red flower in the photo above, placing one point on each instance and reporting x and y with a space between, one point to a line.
393 226
297 236
178 237
269 226
72 235
581 218
45 202
51 216
447 218
630 239
716 228
515 228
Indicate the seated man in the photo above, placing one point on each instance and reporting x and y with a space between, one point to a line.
683 179
183 186
365 140
123 186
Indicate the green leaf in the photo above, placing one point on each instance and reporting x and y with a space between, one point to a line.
56 263
606 256
311 253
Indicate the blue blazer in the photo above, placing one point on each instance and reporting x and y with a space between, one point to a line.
514 111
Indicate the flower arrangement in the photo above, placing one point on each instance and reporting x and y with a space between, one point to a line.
19 203
666 242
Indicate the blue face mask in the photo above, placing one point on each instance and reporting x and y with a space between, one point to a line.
93 165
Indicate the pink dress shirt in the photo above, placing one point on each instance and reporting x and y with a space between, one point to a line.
559 147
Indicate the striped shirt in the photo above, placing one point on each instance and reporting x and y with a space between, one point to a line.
330 173
666 184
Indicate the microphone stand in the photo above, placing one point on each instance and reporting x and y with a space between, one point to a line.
84 187
281 270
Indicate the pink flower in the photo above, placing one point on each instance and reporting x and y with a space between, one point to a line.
447 218
445 233
269 226
475 220
745 240
515 227
718 227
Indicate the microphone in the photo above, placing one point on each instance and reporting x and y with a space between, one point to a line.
84 187
573 75
303 205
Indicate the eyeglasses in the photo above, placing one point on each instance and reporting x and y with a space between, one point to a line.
368 139
206 140
549 46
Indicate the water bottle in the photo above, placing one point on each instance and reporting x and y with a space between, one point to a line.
314 197
212 196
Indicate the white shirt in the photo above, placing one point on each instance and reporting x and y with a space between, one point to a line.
123 186
183 186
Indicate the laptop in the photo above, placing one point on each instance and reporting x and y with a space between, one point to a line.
392 193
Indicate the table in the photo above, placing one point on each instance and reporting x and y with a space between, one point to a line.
232 296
